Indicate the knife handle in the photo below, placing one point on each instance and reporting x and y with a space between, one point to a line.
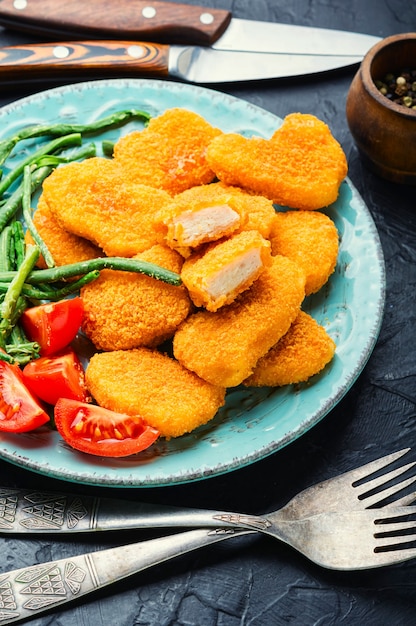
99 19
93 58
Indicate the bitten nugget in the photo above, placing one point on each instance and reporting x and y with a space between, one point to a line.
200 215
156 387
169 153
208 212
218 274
310 238
301 353
64 247
94 200
301 166
224 347
125 310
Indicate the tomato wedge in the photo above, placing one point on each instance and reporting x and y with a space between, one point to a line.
19 409
53 325
60 375
93 429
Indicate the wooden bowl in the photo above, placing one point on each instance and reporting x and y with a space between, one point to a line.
384 131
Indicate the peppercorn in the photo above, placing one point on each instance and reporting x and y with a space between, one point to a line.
400 87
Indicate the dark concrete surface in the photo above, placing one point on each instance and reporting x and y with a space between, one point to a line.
254 581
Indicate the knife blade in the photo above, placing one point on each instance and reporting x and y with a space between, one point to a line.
196 64
167 22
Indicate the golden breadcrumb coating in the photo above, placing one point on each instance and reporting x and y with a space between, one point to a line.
150 384
200 215
301 166
208 212
94 200
169 153
64 247
224 347
310 238
125 310
301 353
216 275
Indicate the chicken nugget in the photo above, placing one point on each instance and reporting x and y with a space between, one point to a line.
94 200
301 353
64 247
209 212
224 347
310 238
150 384
200 215
301 166
169 153
124 310
215 276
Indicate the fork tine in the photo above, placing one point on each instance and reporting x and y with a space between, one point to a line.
369 468
394 557
404 501
388 544
385 515
390 491
383 529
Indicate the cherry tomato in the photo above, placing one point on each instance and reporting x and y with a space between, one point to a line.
60 375
53 325
20 411
93 429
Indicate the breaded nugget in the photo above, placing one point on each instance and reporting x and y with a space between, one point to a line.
156 387
208 212
94 200
169 153
64 247
215 276
301 166
125 310
310 238
224 347
200 215
301 353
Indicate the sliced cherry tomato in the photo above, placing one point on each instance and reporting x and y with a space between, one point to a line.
60 375
93 429
53 325
20 411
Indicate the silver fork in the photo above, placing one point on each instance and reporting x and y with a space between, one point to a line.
351 540
37 512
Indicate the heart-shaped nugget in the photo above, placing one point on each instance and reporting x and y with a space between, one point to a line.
301 166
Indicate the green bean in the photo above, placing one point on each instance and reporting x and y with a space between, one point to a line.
27 216
85 152
6 249
64 272
23 352
74 286
41 293
39 130
107 148
14 291
14 202
49 148
19 243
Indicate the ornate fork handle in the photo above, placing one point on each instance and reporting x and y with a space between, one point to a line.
28 591
31 511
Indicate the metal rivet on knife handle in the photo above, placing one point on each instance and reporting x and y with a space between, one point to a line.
149 12
20 4
60 52
125 20
206 18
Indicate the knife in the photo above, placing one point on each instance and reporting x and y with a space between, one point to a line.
168 22
247 50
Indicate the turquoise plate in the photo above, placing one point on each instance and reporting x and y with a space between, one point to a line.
254 423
